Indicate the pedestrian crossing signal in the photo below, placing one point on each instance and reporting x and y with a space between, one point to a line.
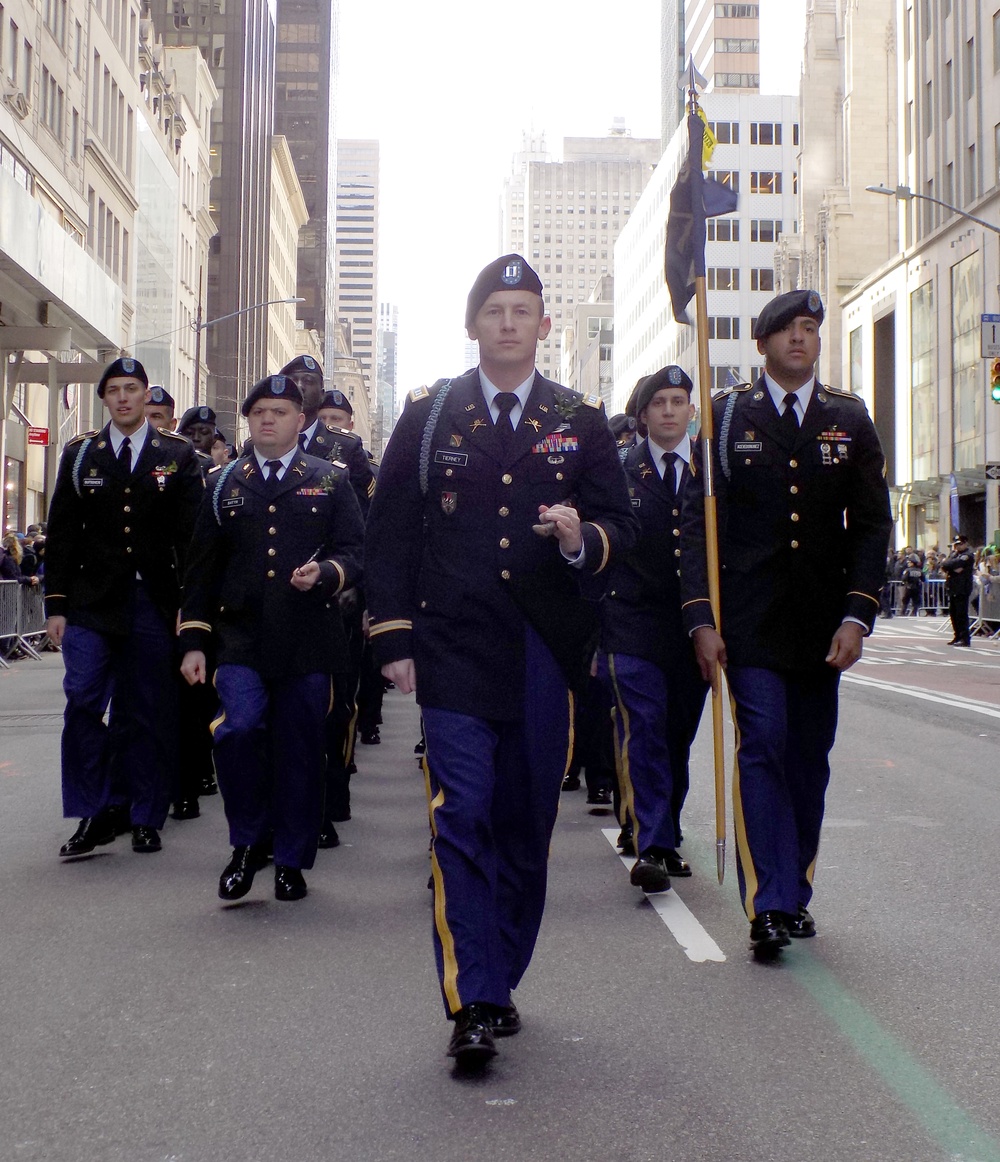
995 381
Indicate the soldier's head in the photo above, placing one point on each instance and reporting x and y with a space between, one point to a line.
274 414
160 409
198 424
663 406
336 411
124 389
505 314
787 334
307 375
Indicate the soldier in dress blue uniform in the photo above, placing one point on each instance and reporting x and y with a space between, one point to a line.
160 409
120 521
278 537
498 495
804 522
198 425
646 657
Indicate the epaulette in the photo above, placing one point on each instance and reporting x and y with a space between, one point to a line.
841 393
419 393
593 401
173 435
339 464
79 439
735 387
216 468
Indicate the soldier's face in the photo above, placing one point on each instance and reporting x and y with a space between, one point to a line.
667 416
160 416
201 434
792 352
274 426
311 386
508 328
337 418
125 398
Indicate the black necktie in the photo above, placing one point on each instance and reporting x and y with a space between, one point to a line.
302 440
505 401
273 468
669 473
125 454
789 420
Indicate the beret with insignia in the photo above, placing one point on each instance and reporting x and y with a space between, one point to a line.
780 311
302 363
124 368
337 399
162 397
201 414
511 272
670 376
273 387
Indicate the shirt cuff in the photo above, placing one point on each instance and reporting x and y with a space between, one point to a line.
578 561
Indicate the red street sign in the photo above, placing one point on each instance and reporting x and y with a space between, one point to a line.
38 436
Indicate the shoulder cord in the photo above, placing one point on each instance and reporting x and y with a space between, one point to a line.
78 464
217 493
428 436
727 420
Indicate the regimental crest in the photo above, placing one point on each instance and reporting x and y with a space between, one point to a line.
813 302
674 376
156 395
449 502
749 436
513 272
278 384
128 366
204 414
455 440
309 362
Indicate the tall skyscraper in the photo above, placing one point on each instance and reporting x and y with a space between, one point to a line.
357 250
565 216
672 63
385 411
305 105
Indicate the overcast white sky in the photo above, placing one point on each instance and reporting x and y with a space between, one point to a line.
448 87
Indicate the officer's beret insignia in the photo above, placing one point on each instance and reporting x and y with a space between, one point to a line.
512 272
814 302
203 414
278 384
156 395
128 366
309 362
674 376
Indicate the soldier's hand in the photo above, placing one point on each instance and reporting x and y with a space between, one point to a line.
402 675
55 627
563 522
305 576
194 668
845 649
710 650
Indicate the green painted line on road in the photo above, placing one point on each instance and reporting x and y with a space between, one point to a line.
948 1124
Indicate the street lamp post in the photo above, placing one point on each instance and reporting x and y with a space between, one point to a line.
905 194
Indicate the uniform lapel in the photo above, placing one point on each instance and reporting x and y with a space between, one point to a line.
640 468
248 472
817 418
295 474
150 454
759 414
470 418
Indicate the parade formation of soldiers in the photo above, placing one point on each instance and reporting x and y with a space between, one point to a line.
515 560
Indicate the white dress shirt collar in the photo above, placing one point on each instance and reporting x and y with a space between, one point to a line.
491 391
683 451
136 440
288 457
803 396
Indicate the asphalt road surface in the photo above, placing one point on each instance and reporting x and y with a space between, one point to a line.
144 1021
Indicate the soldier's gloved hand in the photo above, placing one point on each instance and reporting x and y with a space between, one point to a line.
348 601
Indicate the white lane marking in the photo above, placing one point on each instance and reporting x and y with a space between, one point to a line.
689 934
954 700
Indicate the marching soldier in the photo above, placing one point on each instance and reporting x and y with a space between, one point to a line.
160 409
646 658
498 495
278 537
804 522
120 521
198 425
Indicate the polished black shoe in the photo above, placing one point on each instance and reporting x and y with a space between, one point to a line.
800 926
624 841
571 783
676 866
966 643
768 934
471 1041
289 883
119 816
371 737
185 809
505 1020
94 831
237 878
208 786
649 872
420 748
328 836
145 840
602 797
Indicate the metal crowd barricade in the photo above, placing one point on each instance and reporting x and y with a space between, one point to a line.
10 614
988 616
933 598
31 621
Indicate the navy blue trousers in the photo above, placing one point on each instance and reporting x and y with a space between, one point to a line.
786 724
269 758
494 794
138 673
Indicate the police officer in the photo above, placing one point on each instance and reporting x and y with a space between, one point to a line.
160 409
498 495
119 525
279 535
646 657
959 568
804 522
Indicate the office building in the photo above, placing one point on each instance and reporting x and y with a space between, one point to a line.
357 252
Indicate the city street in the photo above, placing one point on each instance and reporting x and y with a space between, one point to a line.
145 1021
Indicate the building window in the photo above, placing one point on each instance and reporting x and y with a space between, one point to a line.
726 132
966 364
728 177
722 229
737 11
922 343
736 44
762 279
996 41
723 327
970 68
765 229
765 182
723 278
765 133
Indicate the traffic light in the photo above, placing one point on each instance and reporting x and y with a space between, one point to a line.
995 381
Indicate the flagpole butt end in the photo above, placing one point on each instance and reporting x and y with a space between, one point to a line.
720 859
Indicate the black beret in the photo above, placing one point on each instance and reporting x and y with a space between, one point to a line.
125 367
273 387
337 399
511 272
196 415
780 311
630 406
621 424
671 376
302 363
160 395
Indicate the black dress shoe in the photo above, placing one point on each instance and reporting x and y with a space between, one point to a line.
371 737
505 1020
471 1041
237 877
624 841
571 783
145 840
675 865
328 836
649 872
94 831
801 926
602 797
185 809
289 883
768 934
208 786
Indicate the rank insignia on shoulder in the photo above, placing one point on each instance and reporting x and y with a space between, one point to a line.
339 464
593 401
840 392
419 393
172 435
82 436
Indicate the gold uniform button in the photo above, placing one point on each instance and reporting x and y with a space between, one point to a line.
677 532
127 491
795 516
793 463
748 461
504 543
270 572
127 529
231 513
272 531
507 478
559 476
795 544
677 552
271 508
505 574
677 512
505 511
128 548
272 552
794 490
315 510
449 472
127 508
